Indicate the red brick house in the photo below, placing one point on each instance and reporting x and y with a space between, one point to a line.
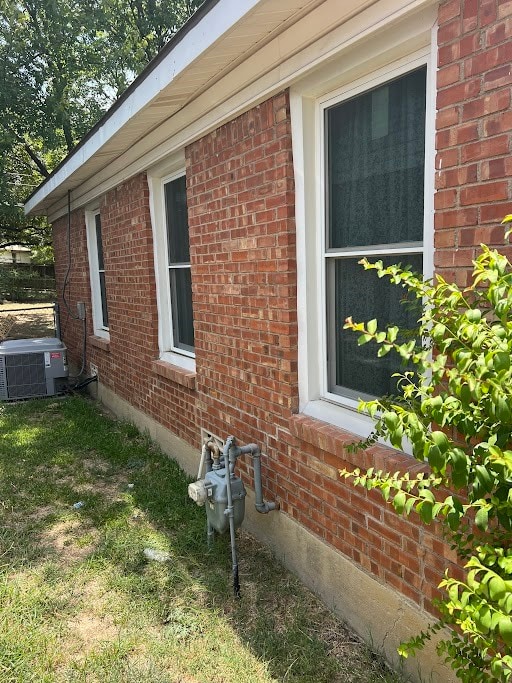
214 219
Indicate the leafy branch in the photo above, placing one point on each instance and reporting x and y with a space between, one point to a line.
454 408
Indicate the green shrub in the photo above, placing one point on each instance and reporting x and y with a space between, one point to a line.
25 283
454 407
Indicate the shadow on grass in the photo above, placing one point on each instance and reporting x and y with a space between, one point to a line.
57 453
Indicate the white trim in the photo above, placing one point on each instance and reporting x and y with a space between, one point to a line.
171 169
430 153
308 99
92 249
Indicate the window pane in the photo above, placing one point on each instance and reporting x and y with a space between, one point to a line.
99 243
375 164
103 294
182 314
362 295
101 270
177 221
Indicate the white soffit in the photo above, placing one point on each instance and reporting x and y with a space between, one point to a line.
192 88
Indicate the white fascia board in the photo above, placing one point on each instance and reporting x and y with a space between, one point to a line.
222 17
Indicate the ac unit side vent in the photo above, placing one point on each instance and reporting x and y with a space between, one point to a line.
26 375
3 381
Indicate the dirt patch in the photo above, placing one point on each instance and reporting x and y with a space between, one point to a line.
93 478
30 320
96 465
40 513
91 626
88 630
66 539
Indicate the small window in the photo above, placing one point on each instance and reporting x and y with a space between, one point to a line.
169 220
97 274
374 185
101 272
178 260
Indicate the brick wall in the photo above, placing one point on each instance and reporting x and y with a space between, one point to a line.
242 243
474 125
242 231
76 286
127 363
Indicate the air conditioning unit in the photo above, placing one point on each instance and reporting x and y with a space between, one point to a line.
30 368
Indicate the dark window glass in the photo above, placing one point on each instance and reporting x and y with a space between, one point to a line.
179 264
375 152
103 292
99 243
101 271
362 295
182 317
177 221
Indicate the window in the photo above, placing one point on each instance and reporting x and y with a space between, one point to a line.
364 172
97 274
169 218
178 255
374 192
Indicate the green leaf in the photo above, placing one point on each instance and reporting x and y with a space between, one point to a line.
482 518
392 333
371 326
436 459
427 494
390 420
497 588
459 478
399 502
441 440
501 361
505 629
474 315
485 619
425 511
484 477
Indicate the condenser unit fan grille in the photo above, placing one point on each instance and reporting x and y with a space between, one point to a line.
25 374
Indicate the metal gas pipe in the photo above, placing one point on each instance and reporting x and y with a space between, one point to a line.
223 493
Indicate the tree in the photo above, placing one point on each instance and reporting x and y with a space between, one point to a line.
17 178
62 64
454 405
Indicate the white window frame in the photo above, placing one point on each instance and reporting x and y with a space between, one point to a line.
390 58
165 172
100 330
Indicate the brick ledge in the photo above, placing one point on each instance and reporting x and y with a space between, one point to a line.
335 440
174 373
100 343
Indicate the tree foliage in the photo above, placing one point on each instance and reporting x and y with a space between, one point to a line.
62 64
454 407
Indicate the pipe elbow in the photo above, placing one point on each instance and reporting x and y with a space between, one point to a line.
266 507
251 448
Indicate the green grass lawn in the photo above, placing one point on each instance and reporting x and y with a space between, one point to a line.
79 601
